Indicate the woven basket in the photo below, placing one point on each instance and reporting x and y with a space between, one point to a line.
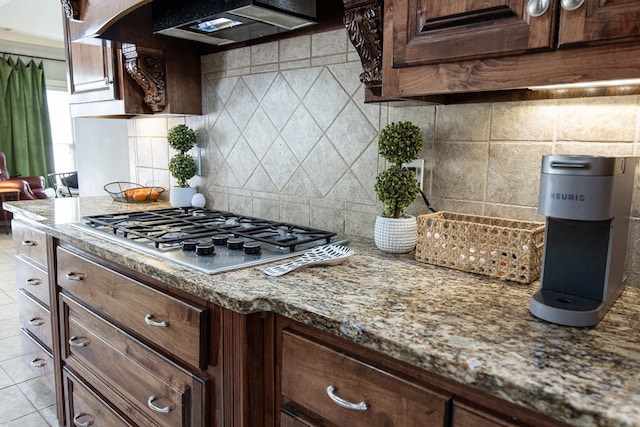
506 249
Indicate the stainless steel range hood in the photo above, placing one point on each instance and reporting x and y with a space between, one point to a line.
229 21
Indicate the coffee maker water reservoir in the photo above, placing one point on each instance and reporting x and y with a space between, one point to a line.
587 201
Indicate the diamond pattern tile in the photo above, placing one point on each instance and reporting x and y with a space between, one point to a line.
360 133
280 163
260 133
242 161
259 83
323 107
324 166
301 133
280 102
302 79
241 104
224 133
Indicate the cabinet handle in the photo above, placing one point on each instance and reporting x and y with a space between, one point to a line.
570 5
78 423
75 276
29 243
75 342
33 282
149 321
38 363
36 321
153 407
537 8
362 406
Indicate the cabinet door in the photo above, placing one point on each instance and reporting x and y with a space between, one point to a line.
600 20
428 31
91 70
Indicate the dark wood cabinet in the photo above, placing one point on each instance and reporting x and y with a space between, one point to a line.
128 73
474 51
441 31
323 380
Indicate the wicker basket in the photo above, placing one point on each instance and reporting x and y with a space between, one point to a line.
506 249
130 192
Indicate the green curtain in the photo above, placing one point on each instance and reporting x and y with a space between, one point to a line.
25 132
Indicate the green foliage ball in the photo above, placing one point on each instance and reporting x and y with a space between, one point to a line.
183 167
400 142
181 138
397 187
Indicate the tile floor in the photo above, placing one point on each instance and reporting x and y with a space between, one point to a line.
24 399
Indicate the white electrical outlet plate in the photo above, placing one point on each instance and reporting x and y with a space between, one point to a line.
418 167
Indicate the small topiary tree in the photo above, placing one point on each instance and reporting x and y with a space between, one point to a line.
182 166
397 186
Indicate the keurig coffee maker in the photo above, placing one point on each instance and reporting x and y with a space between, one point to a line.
587 201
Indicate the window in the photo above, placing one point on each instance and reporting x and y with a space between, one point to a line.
63 147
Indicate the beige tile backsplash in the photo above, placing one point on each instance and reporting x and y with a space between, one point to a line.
285 135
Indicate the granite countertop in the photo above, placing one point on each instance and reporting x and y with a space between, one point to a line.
465 327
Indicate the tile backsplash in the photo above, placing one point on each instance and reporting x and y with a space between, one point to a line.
285 135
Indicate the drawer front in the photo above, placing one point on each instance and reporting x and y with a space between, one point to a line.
30 243
163 320
39 359
35 318
87 408
467 416
377 397
143 384
33 279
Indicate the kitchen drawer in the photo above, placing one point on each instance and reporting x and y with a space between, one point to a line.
30 243
38 358
470 416
33 279
143 384
310 369
162 320
86 407
35 318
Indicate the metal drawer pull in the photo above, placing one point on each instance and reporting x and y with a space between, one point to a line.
149 320
537 8
36 321
38 363
29 243
77 423
570 5
75 342
75 276
153 407
362 406
33 282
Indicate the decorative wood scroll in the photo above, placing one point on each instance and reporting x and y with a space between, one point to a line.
363 19
71 9
146 67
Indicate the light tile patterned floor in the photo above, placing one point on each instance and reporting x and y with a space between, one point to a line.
24 399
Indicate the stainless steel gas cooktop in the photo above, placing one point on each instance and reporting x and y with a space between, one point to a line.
209 241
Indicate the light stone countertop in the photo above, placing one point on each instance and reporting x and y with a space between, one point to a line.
465 327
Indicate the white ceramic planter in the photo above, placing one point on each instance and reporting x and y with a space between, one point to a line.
180 197
396 235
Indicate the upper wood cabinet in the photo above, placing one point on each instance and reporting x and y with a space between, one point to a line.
440 31
128 71
479 50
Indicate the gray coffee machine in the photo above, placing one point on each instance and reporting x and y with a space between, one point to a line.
587 201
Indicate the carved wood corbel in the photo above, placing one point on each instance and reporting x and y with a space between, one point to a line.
363 19
146 67
71 9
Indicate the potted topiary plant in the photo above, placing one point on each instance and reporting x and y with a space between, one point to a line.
397 187
182 166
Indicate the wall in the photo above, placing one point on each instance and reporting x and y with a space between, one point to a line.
285 135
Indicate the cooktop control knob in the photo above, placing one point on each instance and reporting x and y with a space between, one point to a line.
189 245
235 243
252 248
221 239
205 249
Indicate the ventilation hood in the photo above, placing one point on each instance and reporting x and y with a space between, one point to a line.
222 22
